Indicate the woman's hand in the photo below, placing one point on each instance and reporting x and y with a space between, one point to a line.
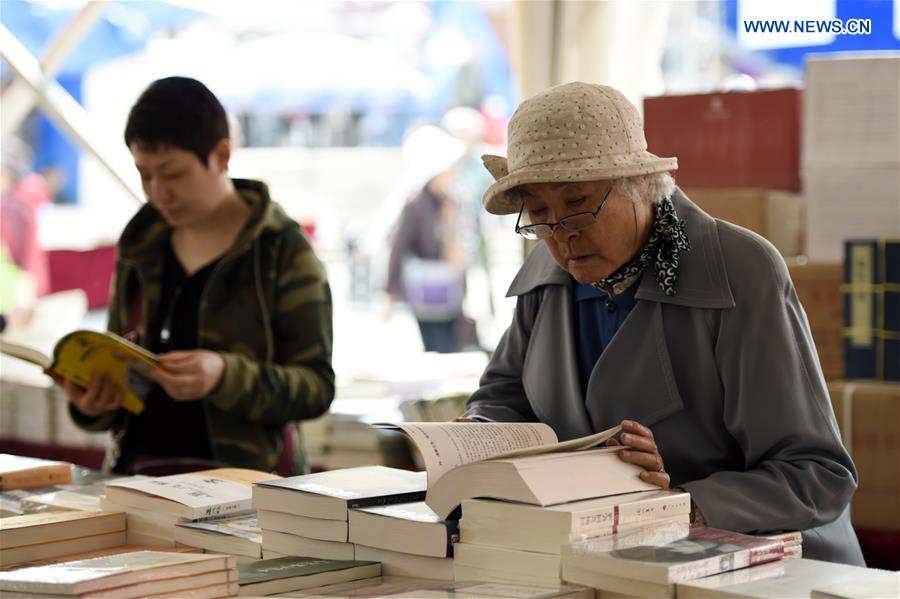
640 449
100 397
189 375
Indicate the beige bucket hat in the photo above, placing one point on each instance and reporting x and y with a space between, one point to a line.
572 132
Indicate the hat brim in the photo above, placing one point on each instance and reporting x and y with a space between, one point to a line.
497 200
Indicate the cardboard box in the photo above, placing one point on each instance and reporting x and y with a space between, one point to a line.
868 415
851 113
779 216
849 202
734 139
818 287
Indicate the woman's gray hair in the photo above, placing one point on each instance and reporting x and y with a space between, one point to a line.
646 188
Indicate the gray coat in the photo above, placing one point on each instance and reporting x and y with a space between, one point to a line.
725 373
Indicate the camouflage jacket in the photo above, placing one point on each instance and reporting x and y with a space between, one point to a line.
266 309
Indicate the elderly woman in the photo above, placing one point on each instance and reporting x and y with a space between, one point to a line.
637 307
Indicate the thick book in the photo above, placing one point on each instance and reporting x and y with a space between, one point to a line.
506 524
329 495
19 472
287 574
99 573
44 527
81 355
314 528
239 535
671 553
52 549
795 578
191 496
183 587
522 462
397 563
406 527
423 588
287 544
512 562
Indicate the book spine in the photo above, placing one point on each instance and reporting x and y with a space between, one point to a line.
30 479
655 509
861 290
410 497
726 563
214 512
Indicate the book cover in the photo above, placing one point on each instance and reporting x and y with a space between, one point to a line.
81 355
872 309
19 472
406 527
83 576
192 496
672 553
285 574
345 489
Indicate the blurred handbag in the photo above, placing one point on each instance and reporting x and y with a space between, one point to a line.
433 289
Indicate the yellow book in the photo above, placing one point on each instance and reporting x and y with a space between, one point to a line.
81 355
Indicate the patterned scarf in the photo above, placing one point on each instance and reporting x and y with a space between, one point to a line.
663 248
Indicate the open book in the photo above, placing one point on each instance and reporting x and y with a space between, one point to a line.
81 355
516 461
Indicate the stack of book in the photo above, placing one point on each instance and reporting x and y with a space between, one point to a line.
289 574
238 535
408 539
396 587
793 542
795 578
31 537
307 515
127 575
155 505
17 472
515 542
649 561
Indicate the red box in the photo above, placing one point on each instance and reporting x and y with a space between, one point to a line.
735 139
90 270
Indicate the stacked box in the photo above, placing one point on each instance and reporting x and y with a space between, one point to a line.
851 151
818 287
729 140
872 309
868 415
779 216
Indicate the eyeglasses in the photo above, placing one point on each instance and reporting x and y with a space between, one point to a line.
573 222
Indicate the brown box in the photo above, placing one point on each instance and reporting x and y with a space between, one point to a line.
868 414
818 287
779 216
730 139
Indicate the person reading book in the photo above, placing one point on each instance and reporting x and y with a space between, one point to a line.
213 276
637 307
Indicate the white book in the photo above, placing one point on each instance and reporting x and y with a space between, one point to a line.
517 461
271 576
95 574
54 526
314 528
463 573
406 527
796 578
671 553
239 535
40 551
527 539
608 585
330 494
302 546
510 561
395 563
192 496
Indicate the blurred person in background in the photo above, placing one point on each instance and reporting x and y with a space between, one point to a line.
427 264
638 308
22 195
215 278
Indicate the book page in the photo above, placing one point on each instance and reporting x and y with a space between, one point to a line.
446 445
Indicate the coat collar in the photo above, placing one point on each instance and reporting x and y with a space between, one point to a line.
702 278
